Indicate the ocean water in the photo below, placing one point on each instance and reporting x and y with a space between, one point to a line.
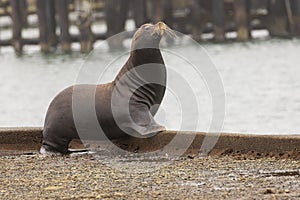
260 80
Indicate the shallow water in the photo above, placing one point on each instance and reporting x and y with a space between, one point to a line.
260 78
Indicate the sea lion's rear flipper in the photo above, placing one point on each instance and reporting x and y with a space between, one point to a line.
46 150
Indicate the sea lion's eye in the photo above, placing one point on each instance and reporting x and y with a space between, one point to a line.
147 28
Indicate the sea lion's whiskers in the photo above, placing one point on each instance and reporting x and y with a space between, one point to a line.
170 32
153 33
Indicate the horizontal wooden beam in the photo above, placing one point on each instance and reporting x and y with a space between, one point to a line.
35 41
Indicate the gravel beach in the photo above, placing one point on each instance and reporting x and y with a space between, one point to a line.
90 176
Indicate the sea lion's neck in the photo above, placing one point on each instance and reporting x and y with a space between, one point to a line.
134 77
140 57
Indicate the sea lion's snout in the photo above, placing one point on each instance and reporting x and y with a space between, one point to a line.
160 28
149 35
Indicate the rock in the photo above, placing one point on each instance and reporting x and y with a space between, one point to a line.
53 188
269 191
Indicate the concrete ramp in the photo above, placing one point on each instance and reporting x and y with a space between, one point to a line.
28 140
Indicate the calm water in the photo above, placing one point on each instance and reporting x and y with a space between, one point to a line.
261 81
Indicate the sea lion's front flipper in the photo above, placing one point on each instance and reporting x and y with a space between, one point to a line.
146 131
149 130
143 123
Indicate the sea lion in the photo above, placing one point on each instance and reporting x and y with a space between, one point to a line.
123 107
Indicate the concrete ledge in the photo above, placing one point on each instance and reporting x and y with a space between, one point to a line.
20 139
29 139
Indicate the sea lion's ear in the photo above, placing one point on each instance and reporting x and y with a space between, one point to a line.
146 25
137 34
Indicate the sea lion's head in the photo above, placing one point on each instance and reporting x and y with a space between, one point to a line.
149 35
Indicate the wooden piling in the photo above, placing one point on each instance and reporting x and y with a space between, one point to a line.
51 22
195 19
43 25
219 20
139 12
84 22
277 18
124 7
110 14
17 25
168 12
115 17
295 4
24 13
62 11
241 19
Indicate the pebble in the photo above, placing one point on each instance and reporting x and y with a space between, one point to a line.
270 191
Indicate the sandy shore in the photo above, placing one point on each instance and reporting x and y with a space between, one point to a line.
98 177
238 167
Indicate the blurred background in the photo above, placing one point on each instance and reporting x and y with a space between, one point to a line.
253 43
62 22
